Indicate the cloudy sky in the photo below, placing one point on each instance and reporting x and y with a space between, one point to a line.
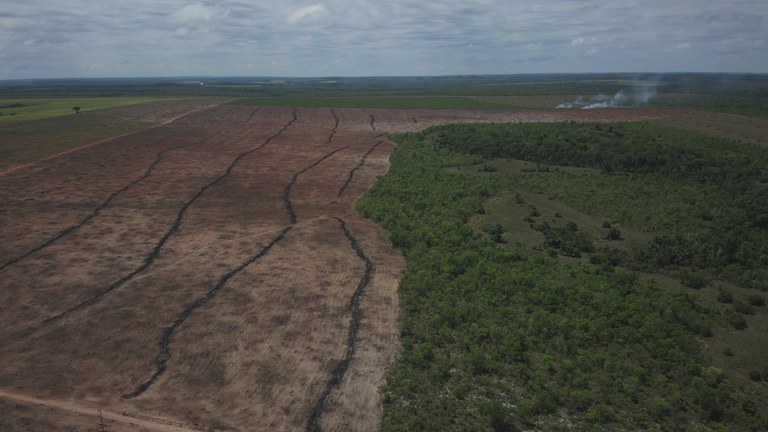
133 38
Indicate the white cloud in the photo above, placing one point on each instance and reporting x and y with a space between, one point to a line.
370 37
197 13
307 14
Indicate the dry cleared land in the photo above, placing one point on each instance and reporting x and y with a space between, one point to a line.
208 273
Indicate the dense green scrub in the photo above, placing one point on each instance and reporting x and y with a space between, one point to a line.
710 194
496 338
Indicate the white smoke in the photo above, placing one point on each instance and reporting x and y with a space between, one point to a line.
641 95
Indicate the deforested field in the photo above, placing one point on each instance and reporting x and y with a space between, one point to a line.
209 273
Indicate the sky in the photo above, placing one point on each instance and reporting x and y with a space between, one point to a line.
154 38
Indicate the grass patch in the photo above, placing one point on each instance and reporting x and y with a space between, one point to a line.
28 141
41 108
753 130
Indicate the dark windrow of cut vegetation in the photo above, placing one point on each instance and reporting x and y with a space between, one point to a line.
498 337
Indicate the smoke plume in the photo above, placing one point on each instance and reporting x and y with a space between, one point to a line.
640 95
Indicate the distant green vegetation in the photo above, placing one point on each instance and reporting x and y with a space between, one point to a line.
709 193
733 93
754 106
588 329
16 110
393 102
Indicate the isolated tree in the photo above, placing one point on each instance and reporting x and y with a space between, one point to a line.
76 109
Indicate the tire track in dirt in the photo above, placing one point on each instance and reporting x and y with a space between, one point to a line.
95 212
150 259
151 423
352 171
287 191
162 359
340 370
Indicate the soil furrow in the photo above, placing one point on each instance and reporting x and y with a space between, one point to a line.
101 206
352 171
335 126
357 316
250 117
150 259
287 191
162 359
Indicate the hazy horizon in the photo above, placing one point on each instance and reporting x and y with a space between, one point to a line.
42 39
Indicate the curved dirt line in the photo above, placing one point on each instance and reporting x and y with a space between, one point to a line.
152 423
340 370
352 171
11 169
250 117
162 359
287 191
335 126
101 206
150 259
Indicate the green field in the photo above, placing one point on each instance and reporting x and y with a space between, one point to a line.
41 108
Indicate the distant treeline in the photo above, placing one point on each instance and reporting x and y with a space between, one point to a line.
752 85
13 105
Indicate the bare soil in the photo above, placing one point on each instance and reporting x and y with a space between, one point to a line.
209 273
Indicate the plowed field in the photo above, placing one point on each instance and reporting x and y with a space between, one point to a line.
209 273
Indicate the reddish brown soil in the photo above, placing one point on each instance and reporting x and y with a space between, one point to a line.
209 273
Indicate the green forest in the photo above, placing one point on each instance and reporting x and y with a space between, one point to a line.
584 276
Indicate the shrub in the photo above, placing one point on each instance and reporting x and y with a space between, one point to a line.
756 300
613 234
749 407
736 321
692 280
755 375
743 308
724 296
499 416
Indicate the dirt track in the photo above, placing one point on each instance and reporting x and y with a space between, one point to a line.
211 272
